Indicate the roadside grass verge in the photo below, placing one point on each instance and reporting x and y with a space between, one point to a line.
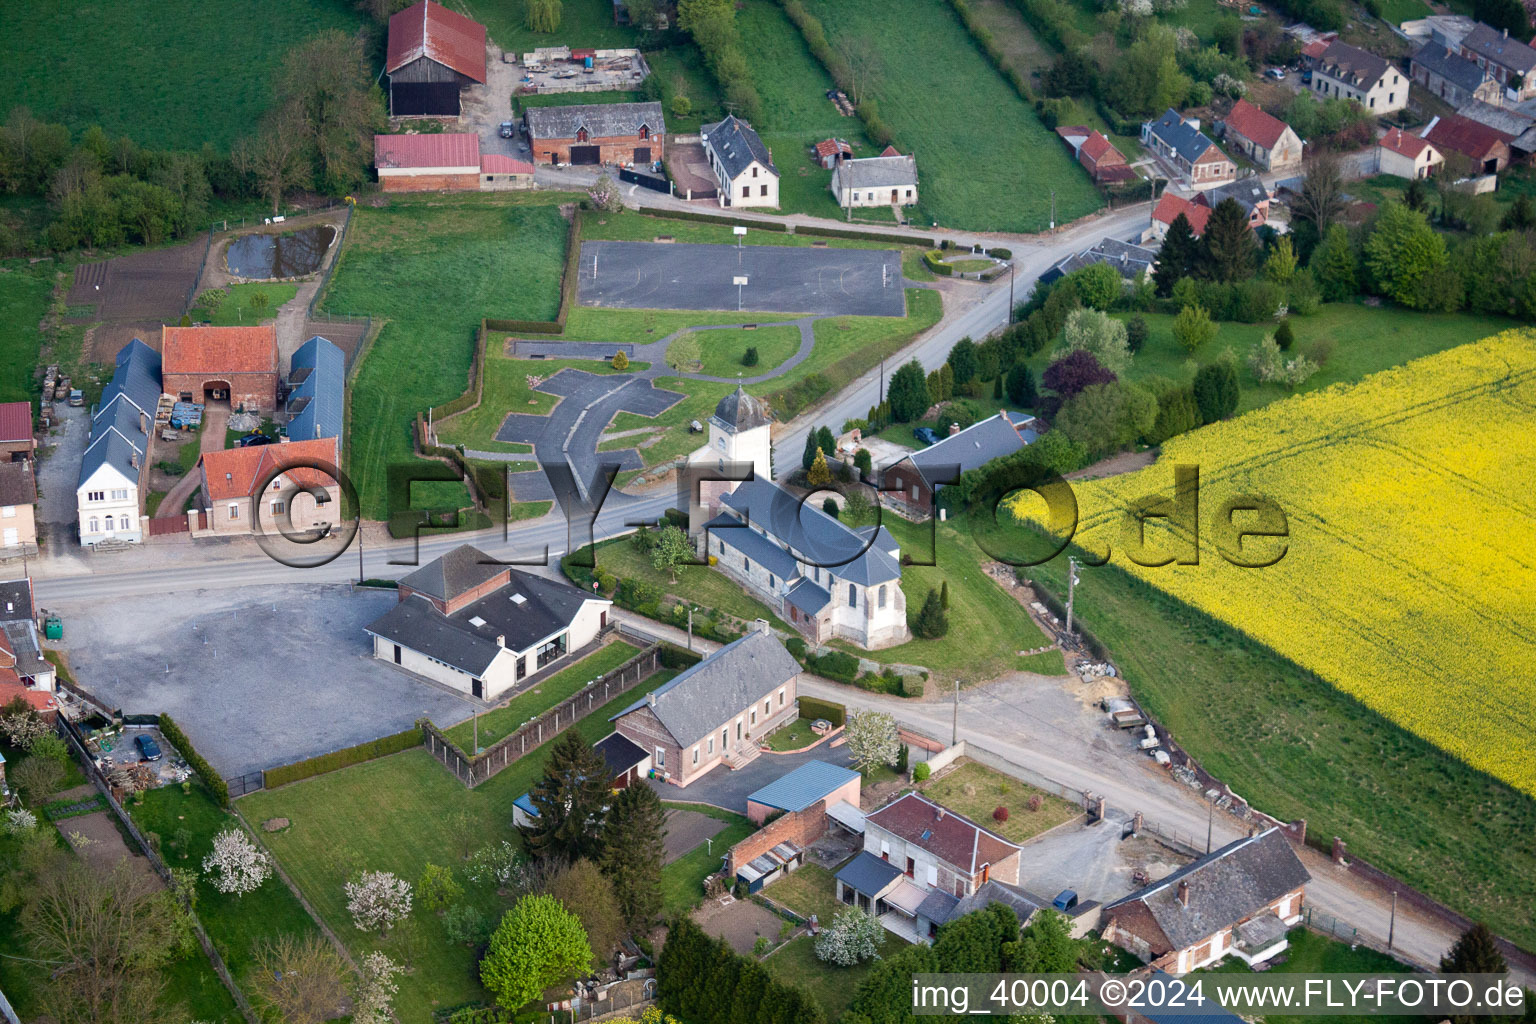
696 583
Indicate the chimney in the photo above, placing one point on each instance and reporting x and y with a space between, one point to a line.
954 428
650 698
1506 33
1184 893
501 640
762 625
938 813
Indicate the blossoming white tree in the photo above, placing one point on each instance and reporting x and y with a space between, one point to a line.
20 821
376 990
853 936
378 899
236 866
872 739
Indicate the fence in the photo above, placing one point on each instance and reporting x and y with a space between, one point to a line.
1184 842
506 751
70 732
6 1013
239 785
649 181
196 280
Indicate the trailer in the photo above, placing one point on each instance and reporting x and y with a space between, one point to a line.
1123 712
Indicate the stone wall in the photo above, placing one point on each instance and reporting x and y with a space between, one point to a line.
801 828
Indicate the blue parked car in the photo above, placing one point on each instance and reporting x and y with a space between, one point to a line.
1066 901
927 435
148 748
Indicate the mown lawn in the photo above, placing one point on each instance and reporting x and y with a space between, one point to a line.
976 791
170 74
432 269
390 815
237 304
1298 748
1365 339
970 167
582 23
237 924
722 351
986 625
507 719
809 889
794 736
682 881
697 583
507 391
24 292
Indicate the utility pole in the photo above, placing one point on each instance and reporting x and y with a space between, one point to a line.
1053 209
1071 590
1012 267
954 729
1210 819
359 554
1392 926
690 627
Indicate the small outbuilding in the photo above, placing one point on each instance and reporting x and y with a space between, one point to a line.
876 181
799 789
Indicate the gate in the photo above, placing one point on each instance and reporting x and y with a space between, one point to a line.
239 785
162 527
433 99
649 181
586 155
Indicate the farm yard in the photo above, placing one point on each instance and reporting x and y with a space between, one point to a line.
180 73
976 140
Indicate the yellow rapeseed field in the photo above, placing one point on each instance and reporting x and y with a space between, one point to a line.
1409 572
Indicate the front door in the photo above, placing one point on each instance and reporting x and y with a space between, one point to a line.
397 654
477 687
602 620
895 195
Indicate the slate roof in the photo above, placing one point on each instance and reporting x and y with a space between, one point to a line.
976 445
450 149
1130 260
1170 206
868 874
740 411
1179 135
799 789
1249 193
813 536
601 120
808 597
318 404
1451 66
547 608
736 676
1253 124
15 421
736 146
238 472
217 350
1465 135
1403 143
939 906
1225 886
137 376
16 599
1510 121
429 29
1352 64
1499 48
21 637
759 549
951 837
620 752
875 172
450 574
1024 904
116 438
16 484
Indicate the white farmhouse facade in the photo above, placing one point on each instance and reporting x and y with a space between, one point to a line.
114 471
742 165
876 181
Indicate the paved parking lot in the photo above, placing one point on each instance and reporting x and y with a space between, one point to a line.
258 677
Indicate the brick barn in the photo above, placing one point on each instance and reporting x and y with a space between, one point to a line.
606 133
427 163
237 365
433 53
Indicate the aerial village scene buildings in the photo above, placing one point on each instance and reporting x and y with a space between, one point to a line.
686 512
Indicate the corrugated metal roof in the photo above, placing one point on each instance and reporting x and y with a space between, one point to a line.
450 149
500 163
802 787
431 30
318 404
15 421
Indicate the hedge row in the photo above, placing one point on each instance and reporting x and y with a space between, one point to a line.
788 402
212 779
834 665
815 36
936 264
472 392
1053 21
812 708
523 326
677 657
988 43
870 236
338 759
568 280
709 218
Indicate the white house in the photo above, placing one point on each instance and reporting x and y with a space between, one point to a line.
743 166
1406 155
876 181
478 626
114 471
1348 72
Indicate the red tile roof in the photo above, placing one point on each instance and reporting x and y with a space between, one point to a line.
11 688
1315 48
218 349
1170 206
16 421
500 163
1404 143
957 840
1252 123
431 30
890 151
236 472
452 149
1465 135
831 147
1096 147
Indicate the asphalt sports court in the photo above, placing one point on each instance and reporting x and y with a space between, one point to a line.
780 279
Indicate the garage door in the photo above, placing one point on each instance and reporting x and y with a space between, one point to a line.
586 154
642 154
440 99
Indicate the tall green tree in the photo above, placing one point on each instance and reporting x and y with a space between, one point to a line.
1106 418
586 890
569 798
327 83
1098 285
962 360
1335 265
811 448
1098 334
632 854
1176 257
1476 952
1045 946
931 621
825 441
1022 390
907 392
1216 390
1228 250
1408 261
538 944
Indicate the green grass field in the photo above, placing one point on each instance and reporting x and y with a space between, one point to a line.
432 268
1312 953
388 815
986 625
506 390
990 790
170 74
1298 748
722 351
970 167
507 719
237 304
1366 339
24 293
697 583
682 881
583 23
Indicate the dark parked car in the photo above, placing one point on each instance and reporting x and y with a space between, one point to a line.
1066 901
148 748
506 129
927 435
255 440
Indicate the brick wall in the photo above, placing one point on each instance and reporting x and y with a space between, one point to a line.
615 149
254 391
428 182
801 828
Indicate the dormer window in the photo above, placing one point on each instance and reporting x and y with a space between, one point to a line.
581 135
645 131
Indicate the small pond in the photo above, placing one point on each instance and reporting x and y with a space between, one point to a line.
258 257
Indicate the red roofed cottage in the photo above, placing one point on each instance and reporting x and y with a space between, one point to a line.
283 478
233 364
1267 141
433 53
1406 155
